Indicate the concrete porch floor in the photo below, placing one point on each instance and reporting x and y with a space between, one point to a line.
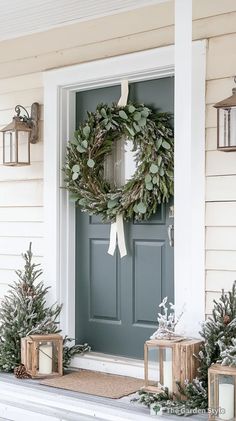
27 400
20 396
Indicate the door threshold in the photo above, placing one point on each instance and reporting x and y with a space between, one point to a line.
111 364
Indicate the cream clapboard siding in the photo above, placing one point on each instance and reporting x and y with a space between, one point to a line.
21 62
21 189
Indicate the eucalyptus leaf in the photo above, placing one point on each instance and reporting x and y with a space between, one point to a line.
135 208
123 114
142 122
130 130
159 159
161 172
153 168
141 207
84 143
76 168
90 163
112 203
131 109
149 186
108 126
74 142
103 112
137 116
80 149
148 178
166 145
75 176
105 121
159 143
86 131
155 179
136 126
145 112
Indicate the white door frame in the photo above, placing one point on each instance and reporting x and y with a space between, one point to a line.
60 88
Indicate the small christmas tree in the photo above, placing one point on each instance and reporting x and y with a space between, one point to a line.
218 332
23 311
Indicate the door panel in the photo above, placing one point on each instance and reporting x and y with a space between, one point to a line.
117 299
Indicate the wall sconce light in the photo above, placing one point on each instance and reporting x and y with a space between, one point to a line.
19 134
226 123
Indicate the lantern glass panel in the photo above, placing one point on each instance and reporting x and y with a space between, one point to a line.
23 147
160 367
10 148
227 127
226 397
153 367
167 369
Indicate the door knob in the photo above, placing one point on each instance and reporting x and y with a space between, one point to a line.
171 235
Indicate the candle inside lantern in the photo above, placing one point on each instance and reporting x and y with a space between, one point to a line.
167 370
45 358
226 401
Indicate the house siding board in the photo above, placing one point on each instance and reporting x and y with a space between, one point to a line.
22 63
21 189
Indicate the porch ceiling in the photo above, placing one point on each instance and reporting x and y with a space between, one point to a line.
20 18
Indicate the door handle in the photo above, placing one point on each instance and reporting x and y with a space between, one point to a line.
171 235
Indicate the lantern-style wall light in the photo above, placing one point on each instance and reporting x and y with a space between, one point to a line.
222 392
226 123
19 134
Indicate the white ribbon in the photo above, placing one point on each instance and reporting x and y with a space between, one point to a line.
117 228
117 233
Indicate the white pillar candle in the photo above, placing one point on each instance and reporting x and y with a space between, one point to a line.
167 375
45 358
226 401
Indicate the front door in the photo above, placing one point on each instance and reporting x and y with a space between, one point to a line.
117 299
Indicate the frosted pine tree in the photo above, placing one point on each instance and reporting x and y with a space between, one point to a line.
228 354
218 331
24 311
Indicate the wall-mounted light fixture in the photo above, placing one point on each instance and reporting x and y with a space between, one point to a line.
226 123
19 134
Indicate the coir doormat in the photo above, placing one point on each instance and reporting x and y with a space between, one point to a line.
96 383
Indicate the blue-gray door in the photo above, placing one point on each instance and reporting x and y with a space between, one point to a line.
117 299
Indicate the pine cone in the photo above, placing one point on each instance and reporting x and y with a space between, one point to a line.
21 373
226 319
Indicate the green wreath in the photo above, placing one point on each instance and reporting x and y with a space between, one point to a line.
153 180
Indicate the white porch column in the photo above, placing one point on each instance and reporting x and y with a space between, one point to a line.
189 157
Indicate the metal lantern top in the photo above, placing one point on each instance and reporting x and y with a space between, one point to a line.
16 125
227 102
26 122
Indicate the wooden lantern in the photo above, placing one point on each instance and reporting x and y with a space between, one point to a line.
167 361
222 392
42 355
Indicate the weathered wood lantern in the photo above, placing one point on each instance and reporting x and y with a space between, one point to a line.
18 135
42 355
222 392
226 123
167 361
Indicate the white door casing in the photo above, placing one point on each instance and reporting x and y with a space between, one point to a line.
60 87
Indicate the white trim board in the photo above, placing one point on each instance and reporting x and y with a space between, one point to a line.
60 87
